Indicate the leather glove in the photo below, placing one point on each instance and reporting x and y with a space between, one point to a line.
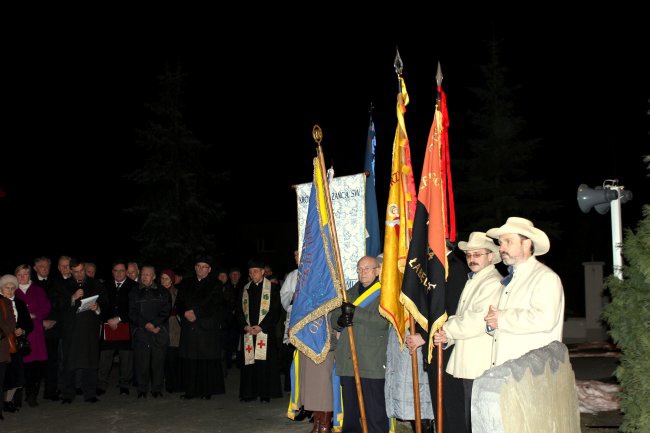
347 314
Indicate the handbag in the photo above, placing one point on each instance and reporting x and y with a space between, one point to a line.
22 345
11 338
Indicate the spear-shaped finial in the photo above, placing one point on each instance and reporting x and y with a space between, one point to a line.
439 75
317 134
398 64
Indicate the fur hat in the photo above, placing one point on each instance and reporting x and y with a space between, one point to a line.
522 226
204 259
8 278
256 263
479 240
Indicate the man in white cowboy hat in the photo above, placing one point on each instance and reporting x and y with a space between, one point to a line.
530 311
466 329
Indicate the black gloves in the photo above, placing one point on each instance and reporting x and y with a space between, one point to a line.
347 313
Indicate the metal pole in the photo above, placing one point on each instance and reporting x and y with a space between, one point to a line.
617 234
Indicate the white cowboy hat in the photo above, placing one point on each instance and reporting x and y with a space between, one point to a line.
477 241
522 226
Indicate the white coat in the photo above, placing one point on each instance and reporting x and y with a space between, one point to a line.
465 330
531 312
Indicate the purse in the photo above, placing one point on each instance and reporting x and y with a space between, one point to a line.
22 345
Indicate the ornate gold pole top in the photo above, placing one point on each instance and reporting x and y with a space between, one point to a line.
317 134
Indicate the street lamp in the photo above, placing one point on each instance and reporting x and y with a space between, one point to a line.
611 194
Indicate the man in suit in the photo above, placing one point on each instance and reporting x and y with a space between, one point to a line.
51 324
117 289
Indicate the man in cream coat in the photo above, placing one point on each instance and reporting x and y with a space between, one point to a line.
466 329
530 311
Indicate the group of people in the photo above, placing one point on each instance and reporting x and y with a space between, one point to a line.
492 319
167 332
175 337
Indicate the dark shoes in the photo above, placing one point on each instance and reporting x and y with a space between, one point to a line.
100 391
92 400
124 391
66 401
53 397
302 414
206 397
156 394
10 407
186 397
246 400
142 395
265 400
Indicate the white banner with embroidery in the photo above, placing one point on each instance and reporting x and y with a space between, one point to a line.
348 204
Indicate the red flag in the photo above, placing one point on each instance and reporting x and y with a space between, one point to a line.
426 268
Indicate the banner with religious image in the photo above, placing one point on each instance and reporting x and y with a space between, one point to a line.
348 204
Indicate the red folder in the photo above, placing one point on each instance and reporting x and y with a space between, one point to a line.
122 333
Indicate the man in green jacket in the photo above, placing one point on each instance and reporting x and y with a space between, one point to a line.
370 336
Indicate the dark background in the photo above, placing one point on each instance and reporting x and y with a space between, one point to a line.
256 85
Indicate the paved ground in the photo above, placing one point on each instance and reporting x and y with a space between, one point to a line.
169 414
223 413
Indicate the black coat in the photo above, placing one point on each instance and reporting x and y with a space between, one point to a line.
201 339
118 306
54 289
150 305
24 320
81 330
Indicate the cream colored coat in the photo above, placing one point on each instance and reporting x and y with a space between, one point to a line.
531 312
466 329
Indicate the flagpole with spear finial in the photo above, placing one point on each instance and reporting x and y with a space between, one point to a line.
317 134
399 65
439 369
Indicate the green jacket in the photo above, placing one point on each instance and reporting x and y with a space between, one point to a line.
370 337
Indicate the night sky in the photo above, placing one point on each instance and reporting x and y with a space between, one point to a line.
76 91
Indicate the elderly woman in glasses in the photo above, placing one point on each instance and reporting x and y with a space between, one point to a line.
15 374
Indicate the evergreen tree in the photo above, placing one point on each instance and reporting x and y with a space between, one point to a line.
174 183
628 316
496 179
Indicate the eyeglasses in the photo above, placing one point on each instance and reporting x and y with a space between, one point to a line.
366 269
475 255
